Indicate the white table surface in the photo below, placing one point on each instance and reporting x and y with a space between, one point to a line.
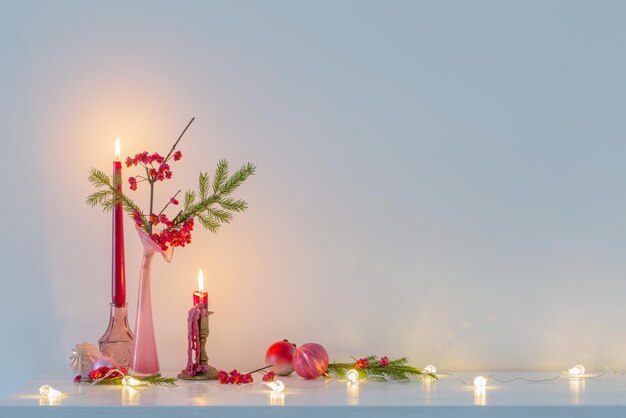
447 397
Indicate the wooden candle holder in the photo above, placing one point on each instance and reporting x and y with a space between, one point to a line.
211 373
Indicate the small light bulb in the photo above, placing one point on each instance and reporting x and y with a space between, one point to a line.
49 392
430 369
130 382
277 386
480 382
352 376
576 371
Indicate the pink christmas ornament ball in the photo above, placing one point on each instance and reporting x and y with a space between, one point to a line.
310 361
105 361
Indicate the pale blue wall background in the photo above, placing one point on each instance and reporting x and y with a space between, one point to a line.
443 180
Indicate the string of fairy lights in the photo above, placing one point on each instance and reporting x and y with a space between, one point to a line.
128 382
277 387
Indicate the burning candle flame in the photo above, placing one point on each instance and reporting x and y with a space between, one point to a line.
200 281
117 149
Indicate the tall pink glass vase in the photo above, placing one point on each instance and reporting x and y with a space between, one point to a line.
144 358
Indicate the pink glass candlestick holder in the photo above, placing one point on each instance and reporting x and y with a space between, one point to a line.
117 341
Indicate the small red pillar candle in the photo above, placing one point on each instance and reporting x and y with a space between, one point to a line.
200 296
118 277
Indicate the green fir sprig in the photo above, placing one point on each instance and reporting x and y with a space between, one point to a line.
394 370
152 380
212 204
108 195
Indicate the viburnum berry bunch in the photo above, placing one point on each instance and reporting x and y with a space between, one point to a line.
362 363
269 377
234 378
212 204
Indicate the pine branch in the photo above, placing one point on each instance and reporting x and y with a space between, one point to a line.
210 216
197 208
130 207
190 197
209 223
221 174
98 198
395 370
203 187
152 380
236 179
99 178
221 215
233 205
108 204
108 196
212 210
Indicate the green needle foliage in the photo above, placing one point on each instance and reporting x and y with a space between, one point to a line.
153 380
395 370
108 196
212 204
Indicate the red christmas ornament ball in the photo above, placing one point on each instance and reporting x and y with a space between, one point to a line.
310 361
280 355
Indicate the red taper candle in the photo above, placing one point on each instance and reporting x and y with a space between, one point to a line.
200 296
118 271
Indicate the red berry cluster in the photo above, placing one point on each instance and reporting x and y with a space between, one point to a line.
133 183
100 372
170 235
175 237
159 172
384 361
144 158
362 363
234 377
137 218
269 377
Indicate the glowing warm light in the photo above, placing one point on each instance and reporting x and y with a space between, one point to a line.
480 396
352 391
577 390
277 399
352 376
129 396
49 392
576 371
277 386
430 369
480 382
117 149
200 281
130 382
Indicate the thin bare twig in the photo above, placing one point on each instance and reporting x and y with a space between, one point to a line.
169 154
168 202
